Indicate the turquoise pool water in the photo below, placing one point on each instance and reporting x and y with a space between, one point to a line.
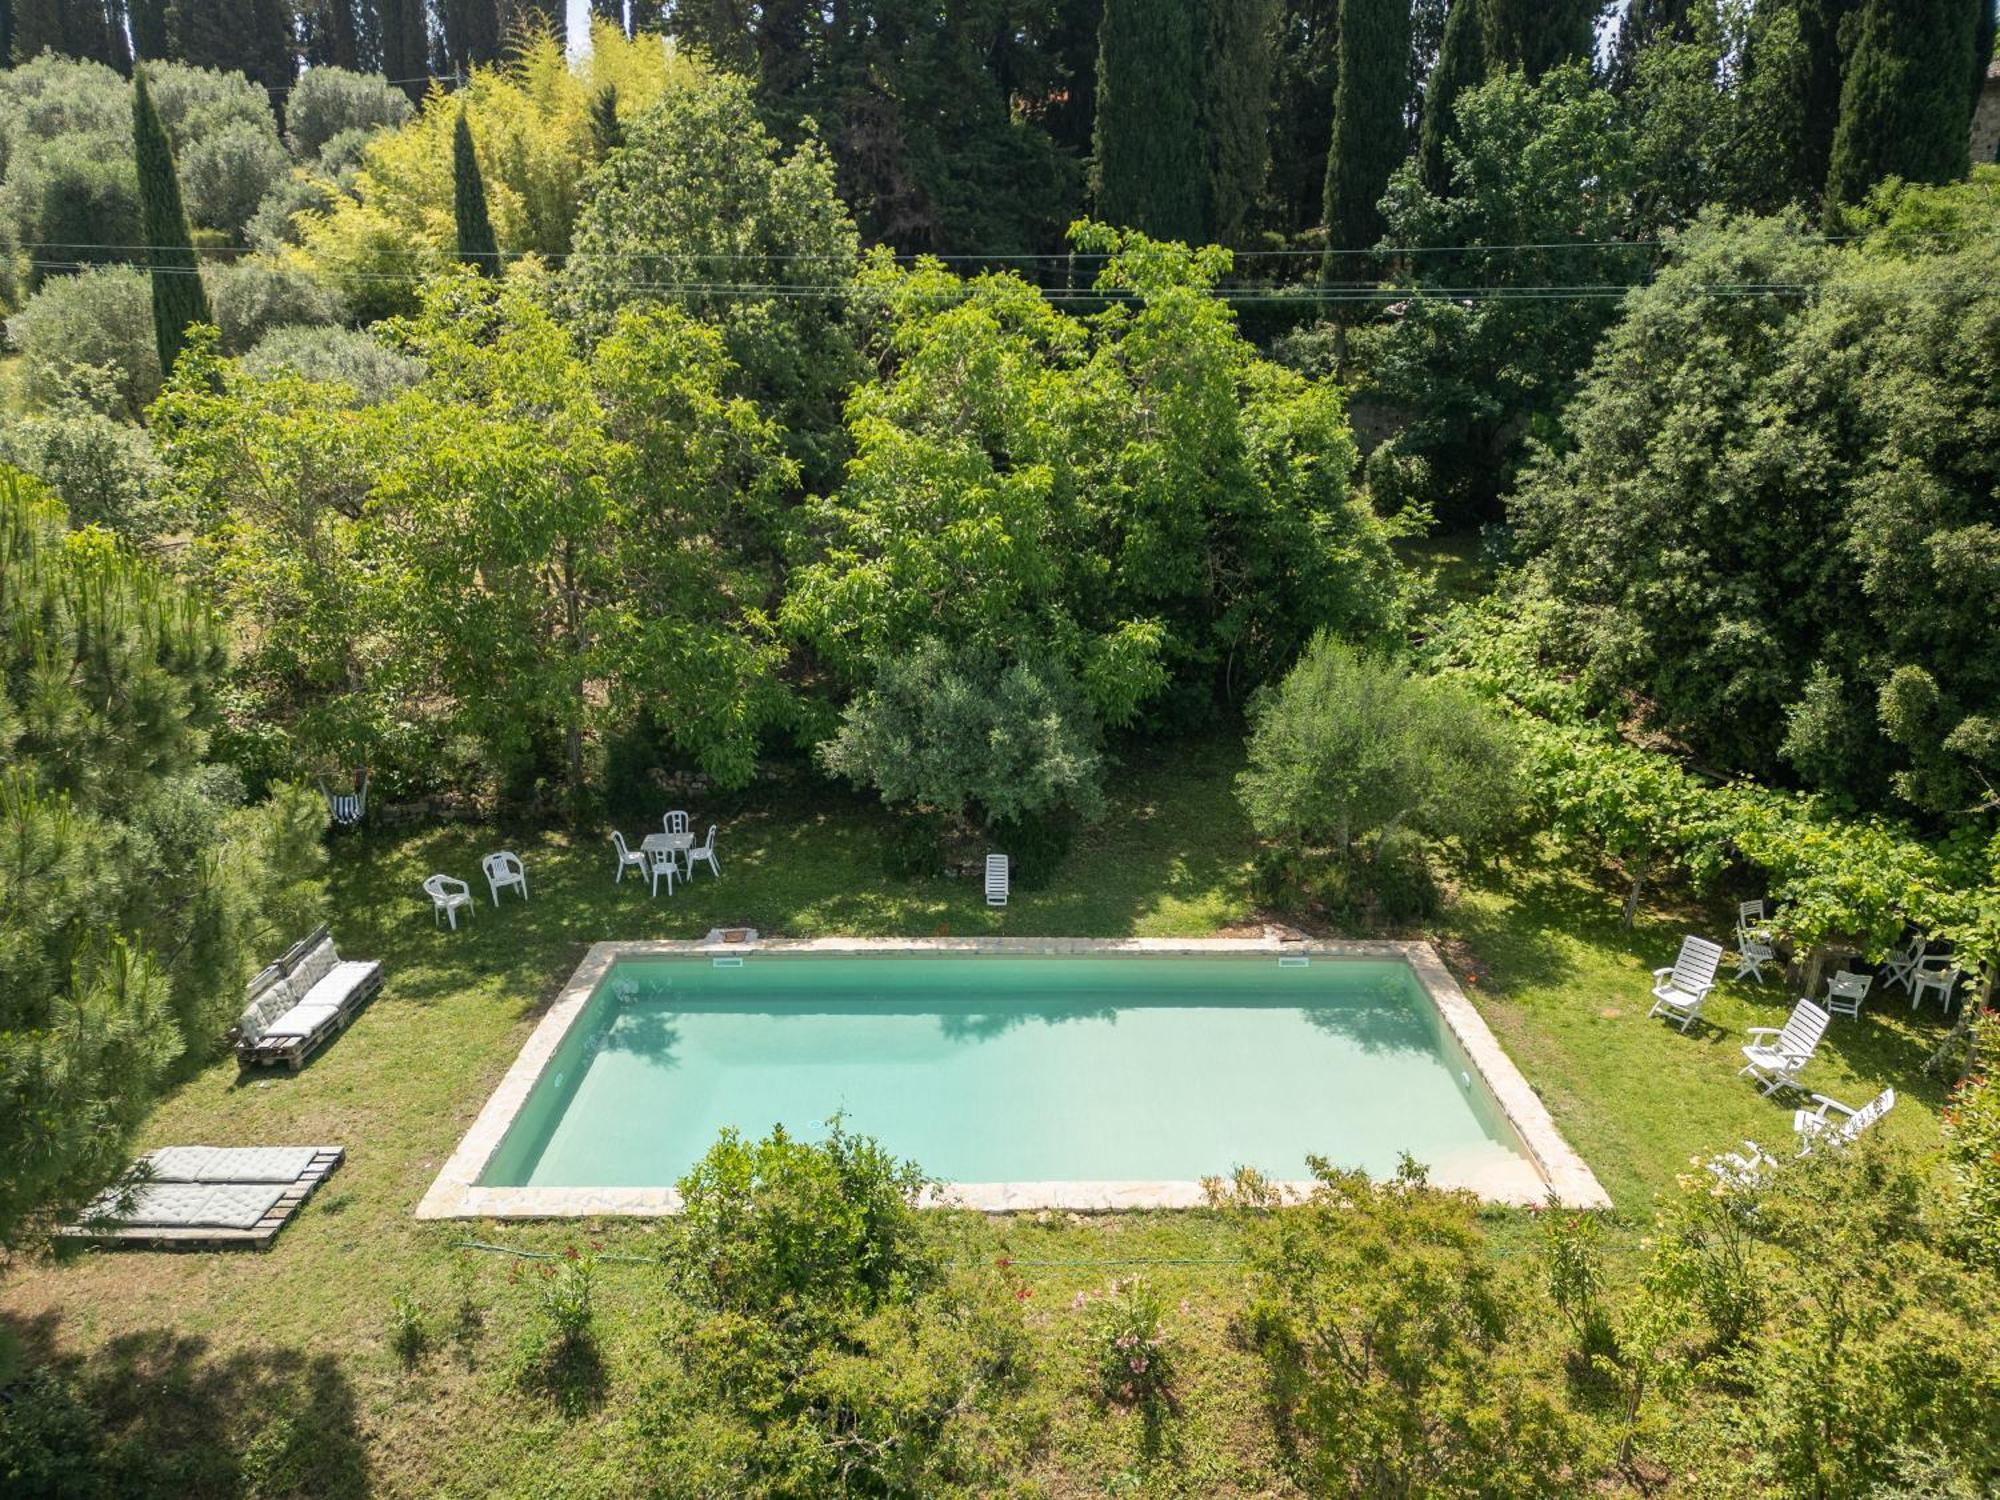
988 1069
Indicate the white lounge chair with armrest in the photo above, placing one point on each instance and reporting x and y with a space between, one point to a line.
448 898
1844 993
504 871
1935 976
1744 1169
1778 1061
1680 990
1818 1125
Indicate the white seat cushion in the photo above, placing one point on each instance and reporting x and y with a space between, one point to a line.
317 963
227 1205
300 1020
230 1163
339 982
270 1003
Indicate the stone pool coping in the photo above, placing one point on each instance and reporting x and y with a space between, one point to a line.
457 1193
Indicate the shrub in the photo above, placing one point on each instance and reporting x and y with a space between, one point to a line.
98 319
197 103
346 355
1972 1148
559 1355
328 102
252 298
226 176
409 1328
1131 1349
76 203
343 155
801 1230
105 472
276 224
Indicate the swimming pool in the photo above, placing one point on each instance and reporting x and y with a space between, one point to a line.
1023 1073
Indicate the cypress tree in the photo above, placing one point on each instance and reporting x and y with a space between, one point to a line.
476 245
1148 167
1238 65
472 32
1815 86
1536 35
252 37
1369 136
406 45
75 28
178 296
149 29
1983 35
607 131
6 33
1460 65
1904 109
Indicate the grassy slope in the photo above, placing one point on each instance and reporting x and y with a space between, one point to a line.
282 1358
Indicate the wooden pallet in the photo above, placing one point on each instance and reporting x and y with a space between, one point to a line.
198 1237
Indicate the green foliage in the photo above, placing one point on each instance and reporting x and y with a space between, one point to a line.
1147 149
1536 36
1350 748
802 1232
1682 523
1904 109
89 336
1370 138
1238 54
1132 1349
328 101
228 174
1546 165
1972 1148
476 245
1386 1332
78 200
178 297
943 731
137 892
1460 65
334 356
104 472
253 298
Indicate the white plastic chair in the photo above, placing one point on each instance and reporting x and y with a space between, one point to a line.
661 862
448 898
1904 963
1935 976
997 873
1751 920
1844 993
504 871
705 852
1752 953
1681 989
675 822
627 858
1817 1126
1779 1062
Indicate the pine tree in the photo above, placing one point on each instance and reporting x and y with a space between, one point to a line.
1904 109
1148 169
1238 64
178 296
476 245
607 131
1645 21
1460 65
1369 135
1536 35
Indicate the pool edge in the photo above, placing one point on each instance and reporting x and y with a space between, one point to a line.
457 1194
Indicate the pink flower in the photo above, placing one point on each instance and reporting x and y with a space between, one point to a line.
1138 1366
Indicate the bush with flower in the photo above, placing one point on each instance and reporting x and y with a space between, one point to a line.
1131 1347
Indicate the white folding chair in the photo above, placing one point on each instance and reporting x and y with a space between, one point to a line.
504 871
1904 963
661 862
705 853
628 859
1752 953
1680 990
1844 993
1779 1062
448 898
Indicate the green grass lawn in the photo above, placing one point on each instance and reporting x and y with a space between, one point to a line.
272 1374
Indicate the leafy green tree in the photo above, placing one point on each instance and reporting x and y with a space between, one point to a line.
229 174
703 202
1460 65
1350 748
178 298
329 100
1644 23
1904 110
90 337
1369 136
1483 362
1386 1332
476 245
942 732
136 892
104 471
1147 153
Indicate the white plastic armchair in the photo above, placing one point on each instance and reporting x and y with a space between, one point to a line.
1935 976
628 858
704 853
1778 1061
1844 993
1681 989
448 898
504 871
1830 1122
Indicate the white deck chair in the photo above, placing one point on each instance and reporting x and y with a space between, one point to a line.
662 862
1904 963
1744 1169
1935 976
1779 1061
1751 919
675 822
1752 953
1818 1126
628 858
705 852
504 871
1681 989
448 898
997 871
1844 993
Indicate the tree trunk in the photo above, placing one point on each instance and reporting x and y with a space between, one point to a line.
572 619
1632 895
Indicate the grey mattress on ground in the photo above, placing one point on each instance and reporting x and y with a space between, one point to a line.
284 1164
192 1205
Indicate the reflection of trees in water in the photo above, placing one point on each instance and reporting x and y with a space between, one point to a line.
649 1030
984 1025
1379 1017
